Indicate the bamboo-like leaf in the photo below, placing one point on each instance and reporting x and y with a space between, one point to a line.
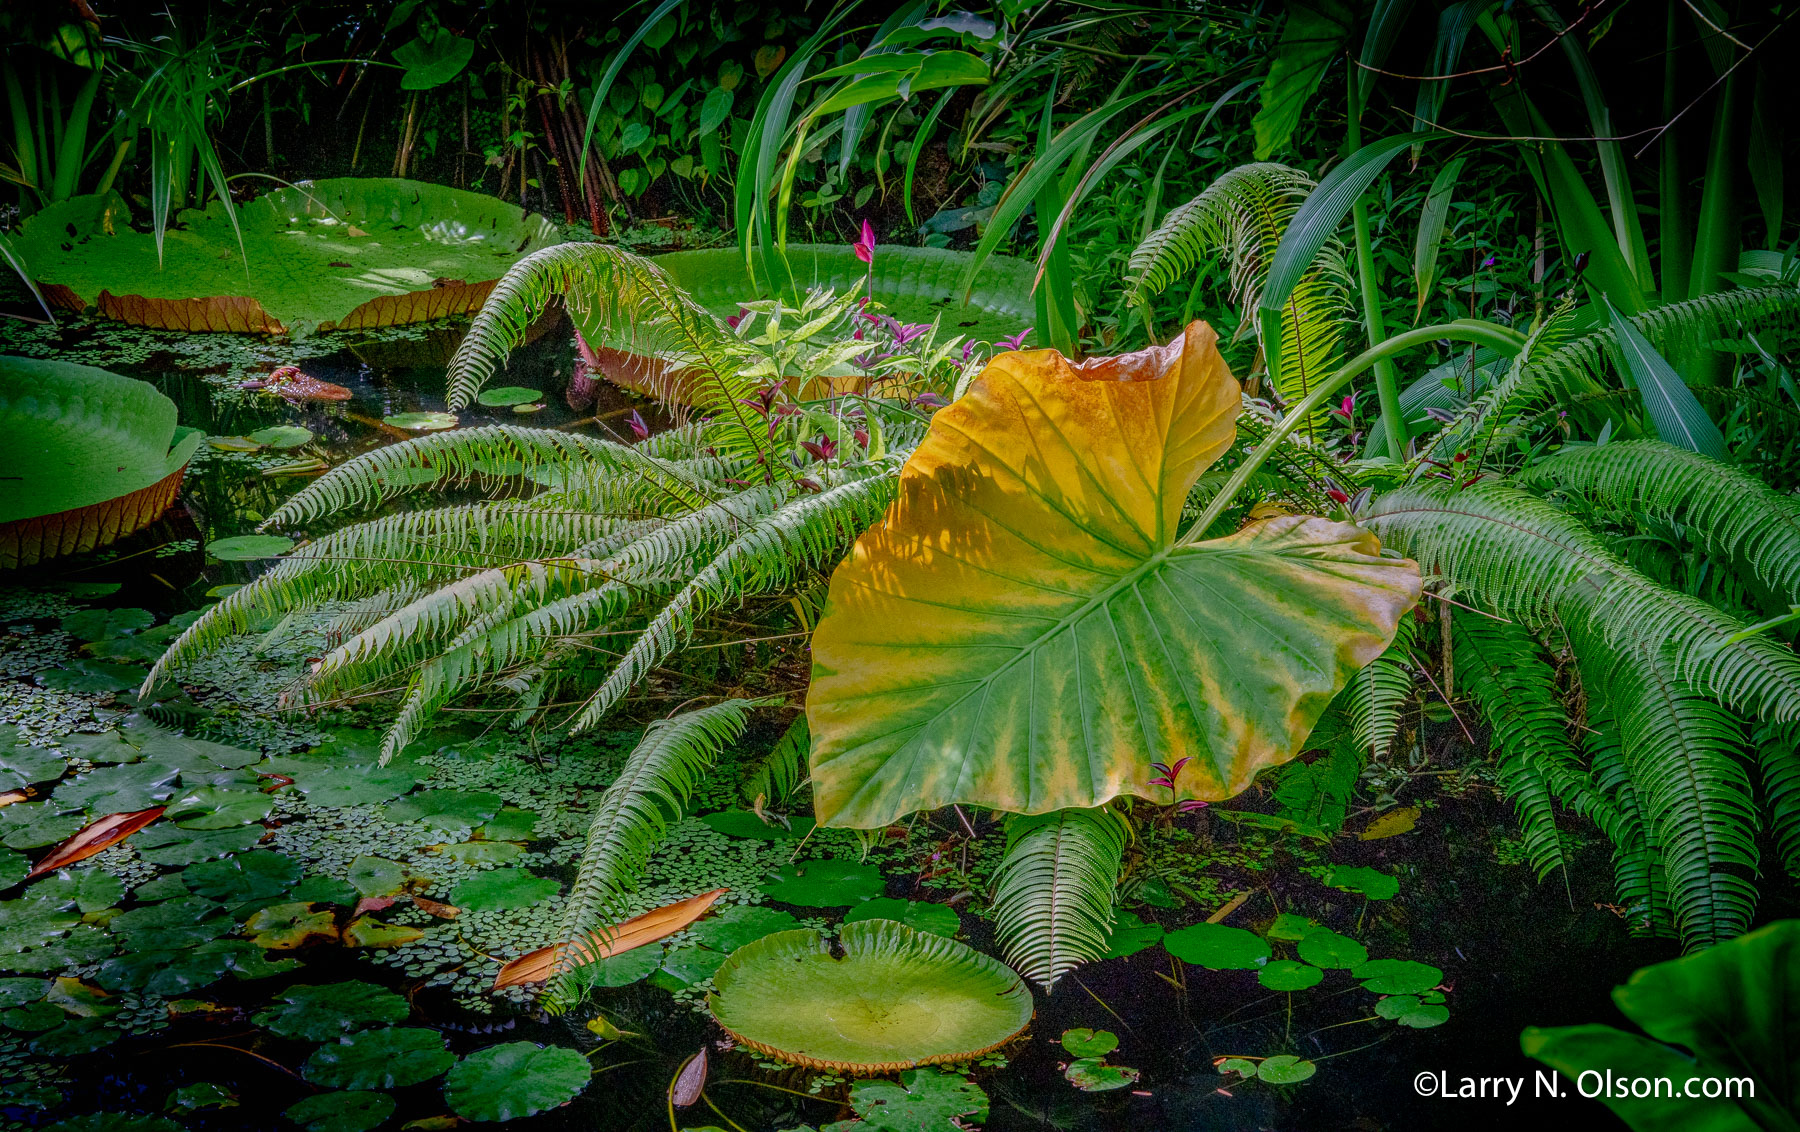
1311 40
1024 632
1432 215
1678 417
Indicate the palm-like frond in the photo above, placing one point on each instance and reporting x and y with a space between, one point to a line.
1376 696
1638 876
633 814
1053 891
1520 557
1734 516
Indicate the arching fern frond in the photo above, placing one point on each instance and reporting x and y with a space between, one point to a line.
1376 695
1638 877
1053 892
1778 766
633 814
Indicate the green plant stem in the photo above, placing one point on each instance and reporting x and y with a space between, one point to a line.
1507 342
1387 383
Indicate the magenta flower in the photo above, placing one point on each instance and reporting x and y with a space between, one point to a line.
929 401
638 428
1337 496
1016 342
733 320
1346 408
823 448
865 247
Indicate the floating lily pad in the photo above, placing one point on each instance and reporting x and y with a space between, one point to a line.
17 992
353 1111
33 1017
685 966
13 867
233 444
390 1058
515 1080
184 922
1289 975
213 808
939 919
1092 1075
1285 1069
75 1037
80 1000
32 921
105 747
1323 947
501 889
356 785
255 875
510 824
1218 947
29 825
507 396
1083 1042
1371 883
830 883
622 969
284 927
740 924
745 823
91 676
23 766
367 931
421 422
482 852
80 945
377 876
446 809
313 1013
1397 976
249 548
282 436
201 1095
104 624
1131 934
925 1100
1407 1010
175 973
322 890
172 845
1291 928
347 253
894 998
115 1122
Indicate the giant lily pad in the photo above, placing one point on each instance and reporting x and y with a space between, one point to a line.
895 998
90 457
348 253
1027 629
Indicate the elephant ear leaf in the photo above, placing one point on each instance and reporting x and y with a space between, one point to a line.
1025 630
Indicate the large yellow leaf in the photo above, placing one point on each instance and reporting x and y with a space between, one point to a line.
1022 630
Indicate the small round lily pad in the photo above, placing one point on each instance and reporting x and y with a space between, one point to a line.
1083 1042
1218 947
380 1059
282 436
421 422
1323 947
356 1111
939 919
515 1080
830 883
1407 1010
740 924
248 548
502 889
507 396
1397 976
315 1013
1289 975
1130 934
1285 1069
1092 1075
1372 883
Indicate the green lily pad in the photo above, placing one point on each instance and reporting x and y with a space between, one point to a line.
13 867
744 823
80 945
313 1013
345 253
75 1037
33 921
622 969
1241 1066
515 1080
34 1017
482 852
689 965
17 992
1407 1010
165 887
390 1058
212 808
830 883
925 1099
939 919
115 1122
354 1111
502 889
421 422
1369 882
92 676
1131 934
1323 947
1218 947
284 927
233 444
884 996
139 648
29 825
80 1000
322 890
23 766
510 824
172 845
1091 1075
255 875
249 548
740 924
1289 975
506 396
176 973
282 436
1397 976
201 1095
118 789
367 931
104 624
1285 1069
184 922
446 809
1291 928
356 785
1083 1042
104 747
377 876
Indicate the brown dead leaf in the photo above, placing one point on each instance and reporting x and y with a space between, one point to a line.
8 797
356 233
658 923
1391 824
437 908
372 904
96 836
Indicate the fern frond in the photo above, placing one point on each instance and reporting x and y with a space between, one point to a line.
631 817
1734 516
1054 890
1524 559
783 771
1376 696
1778 766
1638 877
